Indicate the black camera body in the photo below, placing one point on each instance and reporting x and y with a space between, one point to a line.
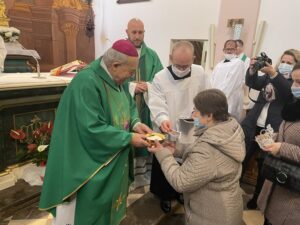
261 61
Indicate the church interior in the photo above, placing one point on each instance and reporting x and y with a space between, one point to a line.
48 41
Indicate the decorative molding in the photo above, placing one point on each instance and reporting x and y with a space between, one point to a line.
3 18
259 37
73 4
70 29
130 1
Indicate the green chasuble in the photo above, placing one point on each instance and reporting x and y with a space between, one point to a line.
90 156
149 65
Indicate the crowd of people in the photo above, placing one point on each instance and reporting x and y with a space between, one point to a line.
96 153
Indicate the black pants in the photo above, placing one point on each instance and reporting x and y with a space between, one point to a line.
251 149
159 184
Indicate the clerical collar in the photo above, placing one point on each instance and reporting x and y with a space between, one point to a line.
176 77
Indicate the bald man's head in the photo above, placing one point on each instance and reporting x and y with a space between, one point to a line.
135 32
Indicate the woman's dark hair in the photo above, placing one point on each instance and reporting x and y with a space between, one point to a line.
212 101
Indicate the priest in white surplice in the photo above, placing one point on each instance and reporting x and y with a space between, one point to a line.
171 98
229 77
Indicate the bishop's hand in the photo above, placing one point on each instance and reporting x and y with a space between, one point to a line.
142 129
139 140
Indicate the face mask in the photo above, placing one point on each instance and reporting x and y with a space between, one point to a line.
285 68
180 73
296 92
197 123
229 56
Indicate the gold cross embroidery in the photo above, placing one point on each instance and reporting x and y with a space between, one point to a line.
118 202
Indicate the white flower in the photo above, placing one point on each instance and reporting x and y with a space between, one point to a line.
15 30
42 148
8 34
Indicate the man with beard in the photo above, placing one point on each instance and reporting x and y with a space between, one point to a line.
149 65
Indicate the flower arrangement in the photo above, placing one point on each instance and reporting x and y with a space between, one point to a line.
34 140
9 34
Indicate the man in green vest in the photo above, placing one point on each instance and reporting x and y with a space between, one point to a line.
90 164
149 65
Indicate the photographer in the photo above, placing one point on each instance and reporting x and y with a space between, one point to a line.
275 90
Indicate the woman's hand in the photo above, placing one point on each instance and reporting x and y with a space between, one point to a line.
273 148
156 147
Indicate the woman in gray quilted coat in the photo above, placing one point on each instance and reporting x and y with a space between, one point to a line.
211 169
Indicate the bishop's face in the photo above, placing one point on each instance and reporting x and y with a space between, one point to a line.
135 33
122 71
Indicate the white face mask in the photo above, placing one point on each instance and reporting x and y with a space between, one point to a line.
181 73
229 56
296 92
285 68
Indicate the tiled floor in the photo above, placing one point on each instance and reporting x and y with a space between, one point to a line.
34 217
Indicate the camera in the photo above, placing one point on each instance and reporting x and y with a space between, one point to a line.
261 61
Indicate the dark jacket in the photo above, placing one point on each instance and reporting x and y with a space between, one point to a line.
282 88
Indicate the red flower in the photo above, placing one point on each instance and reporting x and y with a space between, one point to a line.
47 127
31 147
42 163
17 134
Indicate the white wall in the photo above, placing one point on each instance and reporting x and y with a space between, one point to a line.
282 31
164 20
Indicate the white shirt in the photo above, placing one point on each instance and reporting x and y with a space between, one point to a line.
229 77
171 99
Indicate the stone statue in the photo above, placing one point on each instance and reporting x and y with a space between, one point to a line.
3 18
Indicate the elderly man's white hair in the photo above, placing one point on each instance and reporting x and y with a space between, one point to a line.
111 56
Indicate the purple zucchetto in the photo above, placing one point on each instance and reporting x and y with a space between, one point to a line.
125 47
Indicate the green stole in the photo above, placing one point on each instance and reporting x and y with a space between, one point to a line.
244 57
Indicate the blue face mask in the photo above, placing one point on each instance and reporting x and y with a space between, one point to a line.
285 68
198 124
296 92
